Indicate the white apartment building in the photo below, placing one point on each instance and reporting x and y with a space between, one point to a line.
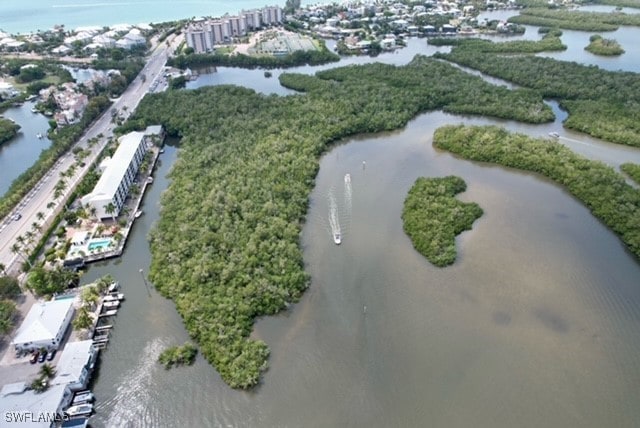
202 36
113 185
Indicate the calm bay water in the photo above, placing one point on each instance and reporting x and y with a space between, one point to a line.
23 17
19 153
537 323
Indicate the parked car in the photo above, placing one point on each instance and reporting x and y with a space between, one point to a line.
16 217
42 356
51 355
34 358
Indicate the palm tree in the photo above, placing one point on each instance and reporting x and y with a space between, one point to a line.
17 249
29 235
40 215
90 296
46 370
36 227
51 204
3 269
83 320
20 239
110 209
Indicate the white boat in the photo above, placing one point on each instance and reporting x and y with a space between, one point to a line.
554 134
138 213
337 238
82 398
347 178
111 298
115 286
39 135
149 180
112 304
161 151
34 110
119 296
80 410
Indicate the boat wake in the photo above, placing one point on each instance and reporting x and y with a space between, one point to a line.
347 193
133 396
333 220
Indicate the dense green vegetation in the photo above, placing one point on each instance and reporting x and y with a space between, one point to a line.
178 356
598 186
575 20
8 129
249 61
226 248
7 313
46 282
62 140
550 42
433 217
605 104
9 287
632 170
600 46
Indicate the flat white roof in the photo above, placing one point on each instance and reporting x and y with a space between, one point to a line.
18 400
74 358
110 179
43 322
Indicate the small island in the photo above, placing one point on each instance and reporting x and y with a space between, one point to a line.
605 47
433 217
178 356
8 129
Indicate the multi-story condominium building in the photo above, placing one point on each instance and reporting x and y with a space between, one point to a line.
113 185
253 18
271 15
237 25
197 38
202 36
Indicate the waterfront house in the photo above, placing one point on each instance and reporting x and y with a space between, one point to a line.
44 326
76 364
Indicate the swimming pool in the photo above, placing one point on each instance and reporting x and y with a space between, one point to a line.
98 245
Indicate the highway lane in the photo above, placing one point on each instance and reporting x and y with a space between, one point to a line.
41 195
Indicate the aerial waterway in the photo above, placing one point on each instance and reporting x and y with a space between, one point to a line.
542 294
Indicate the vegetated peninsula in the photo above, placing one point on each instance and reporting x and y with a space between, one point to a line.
605 47
600 103
433 217
574 19
598 186
8 129
632 170
549 42
226 248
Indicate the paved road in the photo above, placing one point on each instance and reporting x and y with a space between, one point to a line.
42 194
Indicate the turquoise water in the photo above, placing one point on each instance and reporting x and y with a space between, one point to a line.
22 17
95 245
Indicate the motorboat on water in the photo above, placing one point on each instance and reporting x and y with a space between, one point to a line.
554 134
138 213
337 238
347 178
